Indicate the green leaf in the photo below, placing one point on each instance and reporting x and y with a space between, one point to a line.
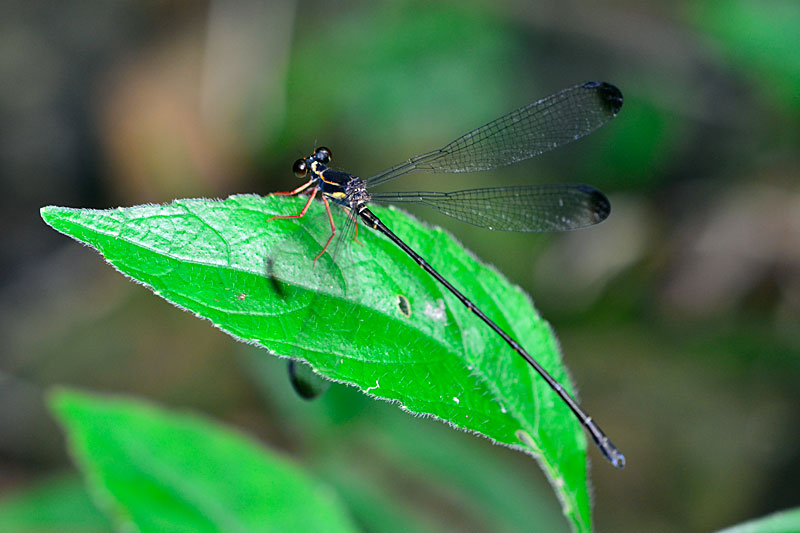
211 257
774 523
57 505
165 471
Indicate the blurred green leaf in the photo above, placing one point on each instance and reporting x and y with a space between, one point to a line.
58 505
761 40
782 522
211 257
374 507
385 463
166 471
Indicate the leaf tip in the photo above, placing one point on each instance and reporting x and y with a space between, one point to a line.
47 211
62 400
52 213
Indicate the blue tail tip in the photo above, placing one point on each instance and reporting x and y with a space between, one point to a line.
618 460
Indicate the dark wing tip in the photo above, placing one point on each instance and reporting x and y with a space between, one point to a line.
598 204
609 95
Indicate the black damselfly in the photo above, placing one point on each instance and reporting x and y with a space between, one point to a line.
519 135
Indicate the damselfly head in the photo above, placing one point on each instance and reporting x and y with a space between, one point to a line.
320 155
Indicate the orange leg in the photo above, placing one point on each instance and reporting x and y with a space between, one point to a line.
333 228
296 191
305 207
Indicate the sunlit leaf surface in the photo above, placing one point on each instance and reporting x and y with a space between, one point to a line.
351 323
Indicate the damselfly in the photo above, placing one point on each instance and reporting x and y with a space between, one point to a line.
519 135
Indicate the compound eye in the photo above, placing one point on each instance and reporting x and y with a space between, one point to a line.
323 154
300 168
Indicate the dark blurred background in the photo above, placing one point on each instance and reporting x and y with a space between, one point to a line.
678 316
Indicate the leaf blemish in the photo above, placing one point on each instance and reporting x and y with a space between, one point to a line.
404 305
435 313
